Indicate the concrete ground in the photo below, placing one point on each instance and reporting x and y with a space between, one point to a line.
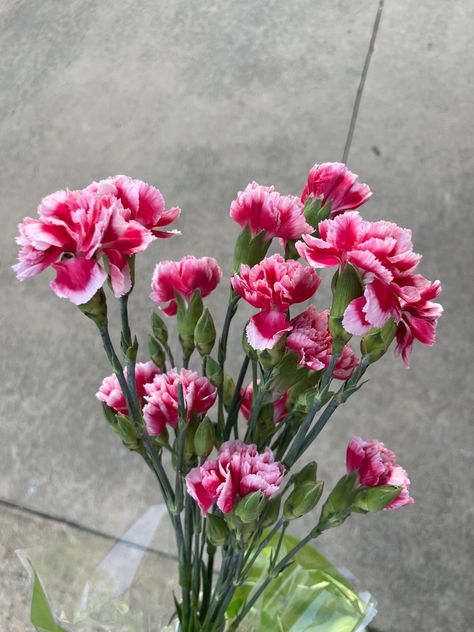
198 99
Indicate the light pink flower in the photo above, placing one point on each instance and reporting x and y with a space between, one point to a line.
419 320
142 202
382 252
76 228
183 277
264 209
333 182
237 471
311 339
273 286
376 466
162 398
279 406
111 394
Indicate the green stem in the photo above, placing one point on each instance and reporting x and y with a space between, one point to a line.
221 357
233 415
262 544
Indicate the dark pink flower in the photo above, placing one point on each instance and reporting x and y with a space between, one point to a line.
419 320
264 209
237 471
279 406
333 183
375 465
111 394
311 339
76 228
183 277
142 202
273 286
383 254
161 396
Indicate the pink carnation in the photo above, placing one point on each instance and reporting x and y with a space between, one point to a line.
376 466
264 209
273 286
333 183
279 406
237 471
183 277
382 252
311 339
141 201
418 321
74 230
111 394
162 398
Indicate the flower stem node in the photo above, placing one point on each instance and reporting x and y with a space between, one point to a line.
205 438
250 507
205 333
96 308
304 497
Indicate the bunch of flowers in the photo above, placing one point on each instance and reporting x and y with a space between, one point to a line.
235 444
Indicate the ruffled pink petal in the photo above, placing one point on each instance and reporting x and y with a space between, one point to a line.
197 491
378 303
77 279
266 328
354 320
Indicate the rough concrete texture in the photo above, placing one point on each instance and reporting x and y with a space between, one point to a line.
200 98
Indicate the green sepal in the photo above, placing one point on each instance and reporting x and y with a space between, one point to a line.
307 473
347 287
213 371
96 308
156 351
338 505
216 530
204 438
250 507
314 212
229 389
187 318
271 512
249 250
377 342
370 499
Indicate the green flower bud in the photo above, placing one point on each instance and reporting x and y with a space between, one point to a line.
308 473
213 371
250 507
156 351
216 530
229 388
189 434
96 308
376 343
271 511
338 505
205 333
346 287
370 499
205 437
159 328
248 249
302 499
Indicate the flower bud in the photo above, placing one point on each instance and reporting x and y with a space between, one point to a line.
213 371
216 530
229 389
250 507
248 249
205 437
346 287
376 343
308 473
159 328
338 505
271 511
126 431
302 499
156 352
96 308
205 333
187 318
189 434
370 499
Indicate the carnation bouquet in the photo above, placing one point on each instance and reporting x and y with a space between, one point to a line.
227 450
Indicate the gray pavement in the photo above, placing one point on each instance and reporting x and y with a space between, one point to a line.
200 98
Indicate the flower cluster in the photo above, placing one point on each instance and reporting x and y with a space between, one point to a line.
376 465
238 470
183 277
273 286
161 396
382 253
114 218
